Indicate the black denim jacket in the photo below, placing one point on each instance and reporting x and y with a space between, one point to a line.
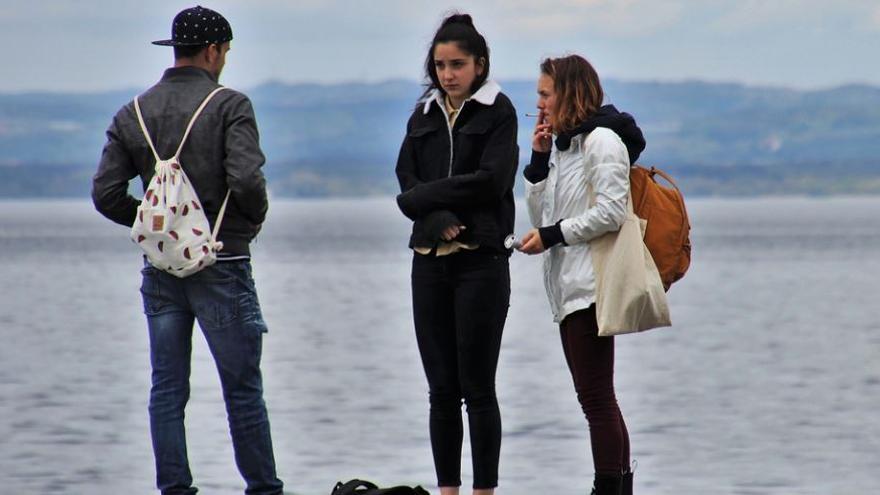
222 152
478 187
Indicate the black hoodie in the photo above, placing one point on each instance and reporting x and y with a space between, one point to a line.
622 123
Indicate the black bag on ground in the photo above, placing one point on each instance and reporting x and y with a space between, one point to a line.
361 487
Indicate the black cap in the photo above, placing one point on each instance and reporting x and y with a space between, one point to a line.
198 26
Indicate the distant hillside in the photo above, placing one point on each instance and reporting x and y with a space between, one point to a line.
343 139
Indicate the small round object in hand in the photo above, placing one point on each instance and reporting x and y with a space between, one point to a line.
511 242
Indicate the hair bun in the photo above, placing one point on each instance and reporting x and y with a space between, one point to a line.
458 19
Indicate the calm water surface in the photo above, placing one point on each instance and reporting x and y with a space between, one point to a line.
768 383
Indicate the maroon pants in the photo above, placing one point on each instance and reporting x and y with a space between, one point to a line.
591 362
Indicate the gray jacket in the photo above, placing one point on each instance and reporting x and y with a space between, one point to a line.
222 152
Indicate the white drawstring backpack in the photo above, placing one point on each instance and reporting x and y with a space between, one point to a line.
171 227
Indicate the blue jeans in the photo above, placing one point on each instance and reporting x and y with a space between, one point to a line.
223 299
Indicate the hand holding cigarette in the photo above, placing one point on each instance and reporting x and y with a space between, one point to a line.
542 137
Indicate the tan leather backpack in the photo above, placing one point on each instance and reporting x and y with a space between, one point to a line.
668 228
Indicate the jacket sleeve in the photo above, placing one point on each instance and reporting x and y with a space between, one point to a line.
609 179
110 183
406 165
535 190
434 222
492 179
244 161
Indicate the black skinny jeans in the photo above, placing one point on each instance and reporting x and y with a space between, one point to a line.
460 304
591 362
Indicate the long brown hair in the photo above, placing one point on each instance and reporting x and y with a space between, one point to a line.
578 90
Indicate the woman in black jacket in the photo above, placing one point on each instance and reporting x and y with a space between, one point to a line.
456 170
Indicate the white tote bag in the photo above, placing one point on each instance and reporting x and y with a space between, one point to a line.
629 293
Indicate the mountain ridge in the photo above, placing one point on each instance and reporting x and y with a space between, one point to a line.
342 139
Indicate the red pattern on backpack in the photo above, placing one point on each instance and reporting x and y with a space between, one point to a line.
160 216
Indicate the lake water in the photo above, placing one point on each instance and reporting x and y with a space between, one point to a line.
768 383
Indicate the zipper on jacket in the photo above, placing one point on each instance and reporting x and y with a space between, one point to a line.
449 128
451 143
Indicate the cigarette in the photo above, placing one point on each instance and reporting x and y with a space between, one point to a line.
531 115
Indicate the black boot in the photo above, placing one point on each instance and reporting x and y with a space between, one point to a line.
607 484
626 485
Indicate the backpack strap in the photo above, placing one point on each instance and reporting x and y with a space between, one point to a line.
140 116
353 487
219 220
218 245
685 221
655 170
194 117
192 120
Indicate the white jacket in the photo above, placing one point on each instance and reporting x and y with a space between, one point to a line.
600 159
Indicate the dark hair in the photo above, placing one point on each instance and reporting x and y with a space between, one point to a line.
458 29
578 90
187 51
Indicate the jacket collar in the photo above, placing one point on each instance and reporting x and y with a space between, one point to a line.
485 95
188 72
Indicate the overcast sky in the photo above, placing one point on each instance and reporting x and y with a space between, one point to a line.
88 45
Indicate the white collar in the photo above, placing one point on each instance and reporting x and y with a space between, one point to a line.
485 95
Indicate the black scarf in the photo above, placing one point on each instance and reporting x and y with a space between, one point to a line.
622 123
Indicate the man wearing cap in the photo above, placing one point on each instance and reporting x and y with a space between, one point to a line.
222 153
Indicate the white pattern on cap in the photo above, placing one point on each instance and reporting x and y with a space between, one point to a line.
192 27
